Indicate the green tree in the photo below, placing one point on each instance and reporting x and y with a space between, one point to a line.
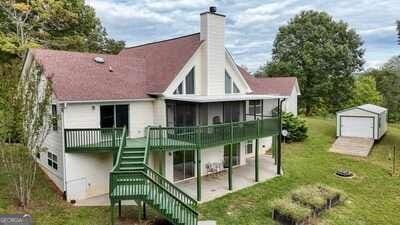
55 24
365 91
322 53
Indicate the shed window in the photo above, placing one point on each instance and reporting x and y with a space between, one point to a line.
249 147
189 81
52 160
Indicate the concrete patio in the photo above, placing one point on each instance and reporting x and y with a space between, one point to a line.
213 185
216 185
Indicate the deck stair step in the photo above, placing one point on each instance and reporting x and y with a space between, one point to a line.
130 180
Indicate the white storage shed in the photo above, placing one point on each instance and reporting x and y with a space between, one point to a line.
366 121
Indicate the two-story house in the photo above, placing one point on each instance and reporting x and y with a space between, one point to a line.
161 116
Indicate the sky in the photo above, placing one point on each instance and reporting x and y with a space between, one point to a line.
251 25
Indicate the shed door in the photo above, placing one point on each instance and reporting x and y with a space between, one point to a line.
357 127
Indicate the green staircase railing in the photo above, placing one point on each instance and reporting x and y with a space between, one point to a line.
146 185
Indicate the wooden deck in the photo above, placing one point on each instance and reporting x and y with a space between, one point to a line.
352 146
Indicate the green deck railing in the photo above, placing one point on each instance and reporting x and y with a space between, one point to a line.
167 138
92 139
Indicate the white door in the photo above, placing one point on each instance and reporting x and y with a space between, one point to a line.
357 127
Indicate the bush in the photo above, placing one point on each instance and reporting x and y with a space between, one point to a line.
295 126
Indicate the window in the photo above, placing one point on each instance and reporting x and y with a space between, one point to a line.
54 119
179 90
255 107
188 85
52 160
114 116
230 86
228 83
189 81
235 88
249 147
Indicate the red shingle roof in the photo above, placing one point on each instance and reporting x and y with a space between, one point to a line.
164 59
138 71
77 77
269 85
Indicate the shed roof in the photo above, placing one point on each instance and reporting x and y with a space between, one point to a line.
372 108
367 107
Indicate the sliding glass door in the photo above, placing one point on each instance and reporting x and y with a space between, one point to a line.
114 116
184 165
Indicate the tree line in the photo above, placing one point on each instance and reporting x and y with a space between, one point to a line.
326 56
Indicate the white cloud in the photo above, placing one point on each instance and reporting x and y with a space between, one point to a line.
124 11
378 30
251 25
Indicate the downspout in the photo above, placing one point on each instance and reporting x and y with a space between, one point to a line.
279 166
63 149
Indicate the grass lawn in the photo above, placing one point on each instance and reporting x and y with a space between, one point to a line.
373 195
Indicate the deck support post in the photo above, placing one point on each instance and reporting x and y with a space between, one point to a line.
144 210
279 139
119 209
230 167
198 157
256 162
230 159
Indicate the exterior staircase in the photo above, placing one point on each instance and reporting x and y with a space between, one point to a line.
132 179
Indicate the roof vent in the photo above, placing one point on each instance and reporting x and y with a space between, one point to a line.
213 9
99 60
110 69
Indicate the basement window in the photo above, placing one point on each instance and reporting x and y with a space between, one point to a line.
52 160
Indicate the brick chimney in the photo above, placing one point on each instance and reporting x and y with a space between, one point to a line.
212 31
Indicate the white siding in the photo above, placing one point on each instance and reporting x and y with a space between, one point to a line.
160 114
290 105
140 116
212 30
54 144
87 174
82 116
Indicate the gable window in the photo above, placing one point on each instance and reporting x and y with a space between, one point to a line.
255 107
230 86
179 90
52 160
186 86
235 88
189 81
228 83
54 119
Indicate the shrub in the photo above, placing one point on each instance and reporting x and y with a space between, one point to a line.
291 209
295 126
